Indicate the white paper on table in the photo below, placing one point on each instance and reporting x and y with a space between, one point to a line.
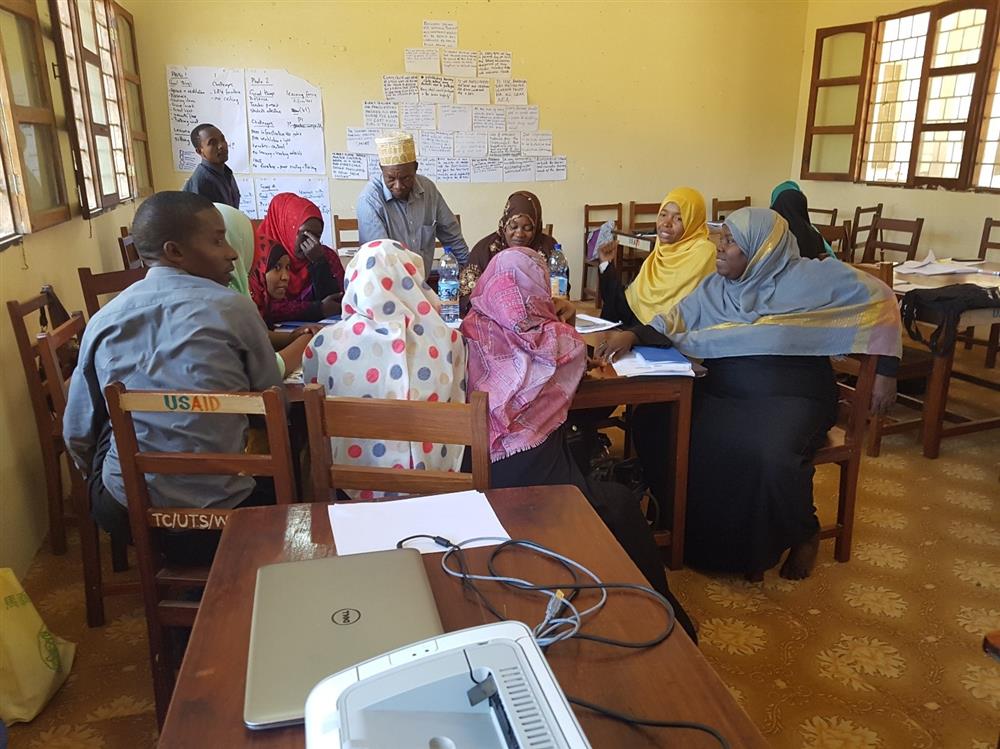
349 165
472 91
381 114
460 63
931 266
510 92
441 34
522 118
419 116
504 144
471 145
552 169
316 189
519 169
204 94
401 87
435 144
486 170
588 324
437 89
454 117
489 119
362 139
248 195
536 144
359 527
494 64
422 60
453 170
633 365
286 123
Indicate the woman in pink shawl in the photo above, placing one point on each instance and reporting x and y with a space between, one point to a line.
530 364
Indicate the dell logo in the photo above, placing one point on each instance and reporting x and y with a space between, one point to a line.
345 616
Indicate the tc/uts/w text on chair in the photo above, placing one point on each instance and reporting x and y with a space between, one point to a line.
161 583
409 421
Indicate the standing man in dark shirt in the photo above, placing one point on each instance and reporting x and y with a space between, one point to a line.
212 178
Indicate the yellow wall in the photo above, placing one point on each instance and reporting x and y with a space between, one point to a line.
48 257
953 221
639 96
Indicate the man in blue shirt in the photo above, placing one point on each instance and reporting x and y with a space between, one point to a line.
405 206
180 328
212 178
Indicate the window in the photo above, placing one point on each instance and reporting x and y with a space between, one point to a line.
103 94
923 111
32 193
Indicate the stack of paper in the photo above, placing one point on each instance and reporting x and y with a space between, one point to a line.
931 266
293 324
645 361
588 324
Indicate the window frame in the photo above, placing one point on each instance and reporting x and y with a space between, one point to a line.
26 220
132 132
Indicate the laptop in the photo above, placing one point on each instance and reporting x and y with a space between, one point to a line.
315 617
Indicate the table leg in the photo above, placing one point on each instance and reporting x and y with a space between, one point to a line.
935 401
682 439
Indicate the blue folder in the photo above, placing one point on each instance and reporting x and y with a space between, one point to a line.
661 355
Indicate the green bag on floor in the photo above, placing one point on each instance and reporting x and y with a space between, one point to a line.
33 662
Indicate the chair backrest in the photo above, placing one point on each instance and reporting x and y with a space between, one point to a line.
130 255
827 216
882 270
877 245
642 217
839 238
95 285
863 220
50 345
988 243
547 230
342 226
407 421
722 208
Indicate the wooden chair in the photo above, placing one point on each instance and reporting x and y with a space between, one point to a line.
828 217
722 208
50 347
843 448
547 230
839 238
863 220
992 343
95 285
126 245
642 217
595 214
413 421
161 583
876 245
342 226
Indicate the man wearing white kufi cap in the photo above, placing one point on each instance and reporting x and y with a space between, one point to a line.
405 206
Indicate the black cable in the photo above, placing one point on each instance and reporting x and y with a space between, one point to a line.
632 720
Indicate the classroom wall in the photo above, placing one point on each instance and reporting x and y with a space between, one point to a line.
640 96
48 257
953 221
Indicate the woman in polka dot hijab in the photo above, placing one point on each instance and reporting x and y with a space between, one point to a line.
391 344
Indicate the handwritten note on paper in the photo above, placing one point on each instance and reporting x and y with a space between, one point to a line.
459 63
536 144
471 145
493 64
437 145
362 139
489 119
374 168
401 87
349 165
552 169
454 117
441 34
422 60
316 189
453 170
381 114
436 89
286 123
472 90
522 118
486 170
428 168
248 194
510 92
518 169
419 116
504 144
216 95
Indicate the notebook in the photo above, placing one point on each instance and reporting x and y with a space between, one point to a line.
316 617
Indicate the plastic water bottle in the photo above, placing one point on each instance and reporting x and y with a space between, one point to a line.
558 273
448 286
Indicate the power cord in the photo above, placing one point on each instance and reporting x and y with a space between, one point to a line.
632 720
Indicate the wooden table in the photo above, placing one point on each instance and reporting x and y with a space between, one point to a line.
933 429
670 681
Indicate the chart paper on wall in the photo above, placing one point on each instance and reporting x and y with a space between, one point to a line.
519 169
419 116
486 170
441 34
550 170
436 89
362 139
401 87
472 90
536 144
437 145
453 170
316 189
510 92
215 95
454 117
381 114
286 123
460 63
471 145
248 194
489 119
522 118
504 144
349 165
422 60
494 64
